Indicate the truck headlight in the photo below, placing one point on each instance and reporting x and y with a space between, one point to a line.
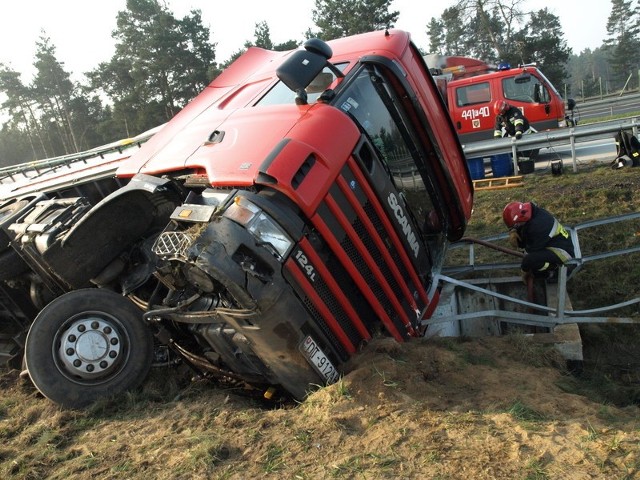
262 227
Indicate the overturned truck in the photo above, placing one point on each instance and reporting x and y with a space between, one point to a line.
301 205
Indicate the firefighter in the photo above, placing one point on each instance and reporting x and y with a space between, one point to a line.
547 244
509 118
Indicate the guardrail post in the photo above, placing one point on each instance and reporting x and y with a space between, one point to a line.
572 139
514 156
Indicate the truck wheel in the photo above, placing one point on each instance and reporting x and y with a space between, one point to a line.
86 345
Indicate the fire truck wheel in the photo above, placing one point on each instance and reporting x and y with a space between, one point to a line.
87 345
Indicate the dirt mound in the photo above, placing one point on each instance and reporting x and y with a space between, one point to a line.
441 408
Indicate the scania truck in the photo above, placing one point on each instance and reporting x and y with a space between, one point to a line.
300 206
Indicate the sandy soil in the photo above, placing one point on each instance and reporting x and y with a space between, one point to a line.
490 408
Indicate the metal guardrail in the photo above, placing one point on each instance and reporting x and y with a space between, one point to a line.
546 316
49 164
550 138
486 147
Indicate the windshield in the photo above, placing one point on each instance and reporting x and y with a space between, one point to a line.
531 91
370 101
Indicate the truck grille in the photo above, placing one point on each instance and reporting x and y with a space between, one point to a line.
353 270
172 245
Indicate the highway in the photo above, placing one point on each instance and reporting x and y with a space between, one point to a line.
608 107
601 150
597 150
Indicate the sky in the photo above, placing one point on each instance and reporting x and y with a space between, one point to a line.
81 29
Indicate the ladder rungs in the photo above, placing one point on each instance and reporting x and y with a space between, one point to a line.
500 182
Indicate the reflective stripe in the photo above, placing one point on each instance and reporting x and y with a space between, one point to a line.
544 267
560 253
558 229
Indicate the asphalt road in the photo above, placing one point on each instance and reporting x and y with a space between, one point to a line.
602 150
608 107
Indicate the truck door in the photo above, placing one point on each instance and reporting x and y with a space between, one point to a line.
470 109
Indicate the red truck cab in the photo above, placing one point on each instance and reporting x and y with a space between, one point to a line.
300 206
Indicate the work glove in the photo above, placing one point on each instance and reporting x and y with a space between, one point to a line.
514 239
518 135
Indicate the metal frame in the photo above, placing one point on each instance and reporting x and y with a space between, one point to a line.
548 316
40 167
549 138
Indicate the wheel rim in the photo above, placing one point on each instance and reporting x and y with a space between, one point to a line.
91 347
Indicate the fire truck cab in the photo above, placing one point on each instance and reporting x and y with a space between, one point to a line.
471 87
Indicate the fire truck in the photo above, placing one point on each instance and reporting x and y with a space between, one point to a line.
300 206
470 87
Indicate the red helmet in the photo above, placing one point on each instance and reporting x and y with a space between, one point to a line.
500 106
516 212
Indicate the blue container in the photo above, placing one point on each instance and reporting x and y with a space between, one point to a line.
476 167
501 165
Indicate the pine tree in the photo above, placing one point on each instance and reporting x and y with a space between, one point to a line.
160 63
20 107
341 18
435 31
541 42
623 42
53 91
499 30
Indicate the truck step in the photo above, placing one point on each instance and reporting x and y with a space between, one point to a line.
496 183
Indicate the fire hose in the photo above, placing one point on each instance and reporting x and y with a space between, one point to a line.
528 279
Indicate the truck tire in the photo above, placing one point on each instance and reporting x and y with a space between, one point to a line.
86 345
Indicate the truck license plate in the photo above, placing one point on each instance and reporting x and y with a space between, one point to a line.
318 359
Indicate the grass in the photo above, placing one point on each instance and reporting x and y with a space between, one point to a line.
523 413
273 459
608 118
536 471
436 412
594 192
535 354
387 382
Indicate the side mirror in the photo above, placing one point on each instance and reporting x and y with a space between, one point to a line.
571 103
302 66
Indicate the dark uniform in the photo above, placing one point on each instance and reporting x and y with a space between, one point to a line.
546 242
513 122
